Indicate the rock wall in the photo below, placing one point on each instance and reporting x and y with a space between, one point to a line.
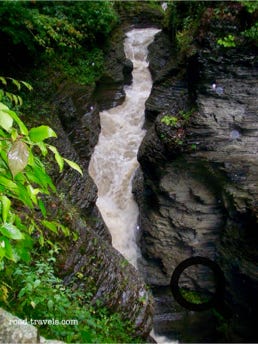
197 190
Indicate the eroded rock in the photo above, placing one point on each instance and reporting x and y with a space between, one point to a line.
200 198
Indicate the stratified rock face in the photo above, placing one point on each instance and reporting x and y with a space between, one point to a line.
198 196
93 264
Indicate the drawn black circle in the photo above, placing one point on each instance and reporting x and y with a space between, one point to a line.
219 278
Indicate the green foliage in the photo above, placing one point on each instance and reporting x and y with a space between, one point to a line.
55 25
23 181
182 20
13 98
71 33
169 120
34 292
193 146
186 115
193 296
252 32
84 68
227 42
223 325
173 121
251 6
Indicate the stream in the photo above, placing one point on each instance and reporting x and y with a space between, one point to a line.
114 160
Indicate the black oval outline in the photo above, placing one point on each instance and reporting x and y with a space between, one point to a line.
217 297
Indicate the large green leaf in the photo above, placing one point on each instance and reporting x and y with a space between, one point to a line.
6 120
18 157
40 176
20 123
26 84
8 184
11 231
42 207
58 157
6 203
6 249
73 165
41 133
3 80
50 225
23 195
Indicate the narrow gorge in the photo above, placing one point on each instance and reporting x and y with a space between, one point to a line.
114 160
166 135
189 194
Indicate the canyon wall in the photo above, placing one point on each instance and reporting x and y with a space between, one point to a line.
197 187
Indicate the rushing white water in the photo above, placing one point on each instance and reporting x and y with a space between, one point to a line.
114 160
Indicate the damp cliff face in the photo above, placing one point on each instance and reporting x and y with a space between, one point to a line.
197 191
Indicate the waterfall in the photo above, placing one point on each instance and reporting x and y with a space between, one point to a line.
114 159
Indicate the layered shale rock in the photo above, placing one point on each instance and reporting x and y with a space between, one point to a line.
197 191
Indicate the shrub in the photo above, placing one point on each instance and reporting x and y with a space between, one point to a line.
34 292
227 42
67 36
169 120
23 180
54 26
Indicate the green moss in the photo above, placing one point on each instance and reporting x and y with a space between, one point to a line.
193 296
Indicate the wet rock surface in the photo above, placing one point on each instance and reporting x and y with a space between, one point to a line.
94 264
198 195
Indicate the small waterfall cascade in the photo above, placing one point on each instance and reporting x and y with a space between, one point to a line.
114 159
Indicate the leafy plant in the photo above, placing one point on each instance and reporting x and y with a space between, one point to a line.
73 32
193 146
84 68
251 6
169 120
54 26
227 42
186 115
252 32
223 326
34 292
23 180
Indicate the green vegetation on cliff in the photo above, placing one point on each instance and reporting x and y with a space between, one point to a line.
33 292
216 24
